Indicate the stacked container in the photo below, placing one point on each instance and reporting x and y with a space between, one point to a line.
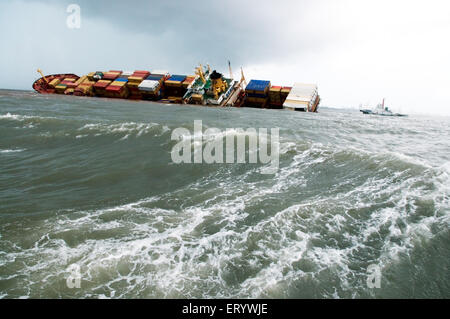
257 93
100 87
275 97
126 74
150 89
117 89
133 84
284 93
164 73
53 83
111 75
86 88
81 80
187 83
173 86
60 88
69 82
303 97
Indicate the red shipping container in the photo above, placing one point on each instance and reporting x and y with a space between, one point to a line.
114 88
101 85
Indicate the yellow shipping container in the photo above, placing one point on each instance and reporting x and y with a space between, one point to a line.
60 88
275 89
172 83
197 97
81 80
91 75
118 83
135 79
54 82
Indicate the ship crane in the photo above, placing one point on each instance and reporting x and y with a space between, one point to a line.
199 72
243 81
42 74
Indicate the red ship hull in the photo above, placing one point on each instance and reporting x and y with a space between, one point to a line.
41 86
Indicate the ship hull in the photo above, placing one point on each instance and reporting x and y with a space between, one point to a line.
41 85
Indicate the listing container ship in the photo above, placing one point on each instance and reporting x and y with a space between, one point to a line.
205 87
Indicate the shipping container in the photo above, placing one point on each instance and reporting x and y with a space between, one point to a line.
54 82
177 78
258 87
155 77
161 72
301 97
135 79
126 73
60 88
149 85
118 83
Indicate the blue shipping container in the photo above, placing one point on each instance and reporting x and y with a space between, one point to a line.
122 80
177 78
154 77
257 85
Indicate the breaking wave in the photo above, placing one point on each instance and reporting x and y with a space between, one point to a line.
96 188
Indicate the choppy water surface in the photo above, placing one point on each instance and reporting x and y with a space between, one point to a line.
90 182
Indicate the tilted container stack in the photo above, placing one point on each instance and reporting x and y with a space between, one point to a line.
117 89
133 84
126 74
257 93
86 88
69 82
187 83
164 73
71 88
111 75
63 85
150 89
60 88
100 87
285 90
275 97
53 83
302 97
173 87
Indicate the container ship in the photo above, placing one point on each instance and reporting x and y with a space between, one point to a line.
204 87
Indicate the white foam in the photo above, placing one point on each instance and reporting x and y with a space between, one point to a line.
11 151
200 250
126 129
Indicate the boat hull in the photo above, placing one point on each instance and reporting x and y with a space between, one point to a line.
41 85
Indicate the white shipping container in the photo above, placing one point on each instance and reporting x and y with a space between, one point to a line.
148 85
301 96
160 72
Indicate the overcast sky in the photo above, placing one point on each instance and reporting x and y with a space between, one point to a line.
357 51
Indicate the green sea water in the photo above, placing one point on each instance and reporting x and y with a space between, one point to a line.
90 182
